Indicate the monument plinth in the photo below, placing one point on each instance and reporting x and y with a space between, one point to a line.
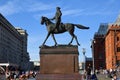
59 63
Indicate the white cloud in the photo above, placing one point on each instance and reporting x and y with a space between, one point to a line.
98 13
16 6
38 16
10 8
73 12
39 6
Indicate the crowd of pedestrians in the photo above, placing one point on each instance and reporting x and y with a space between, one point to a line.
17 75
112 74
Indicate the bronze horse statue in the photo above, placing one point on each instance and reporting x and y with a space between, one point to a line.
62 28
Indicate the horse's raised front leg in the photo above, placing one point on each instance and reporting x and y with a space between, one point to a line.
46 38
54 39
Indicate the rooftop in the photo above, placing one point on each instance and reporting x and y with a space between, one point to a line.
102 29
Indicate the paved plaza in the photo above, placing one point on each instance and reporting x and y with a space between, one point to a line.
32 79
100 77
105 77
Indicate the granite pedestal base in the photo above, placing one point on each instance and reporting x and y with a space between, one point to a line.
59 63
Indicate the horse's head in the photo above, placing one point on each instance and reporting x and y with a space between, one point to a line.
42 20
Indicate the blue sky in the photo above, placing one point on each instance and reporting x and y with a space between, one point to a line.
27 14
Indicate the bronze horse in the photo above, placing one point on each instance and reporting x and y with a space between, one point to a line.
62 28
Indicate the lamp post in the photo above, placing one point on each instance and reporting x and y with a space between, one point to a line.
92 48
84 51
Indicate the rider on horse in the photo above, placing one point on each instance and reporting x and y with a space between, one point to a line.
57 28
57 18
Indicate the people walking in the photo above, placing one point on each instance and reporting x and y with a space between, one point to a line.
88 73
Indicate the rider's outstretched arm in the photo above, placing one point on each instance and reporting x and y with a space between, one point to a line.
52 18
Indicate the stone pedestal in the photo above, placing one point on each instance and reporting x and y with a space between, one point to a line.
59 63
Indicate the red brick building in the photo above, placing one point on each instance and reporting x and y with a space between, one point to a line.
112 45
106 46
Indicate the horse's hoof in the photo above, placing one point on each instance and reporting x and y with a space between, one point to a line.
55 44
78 44
41 46
69 44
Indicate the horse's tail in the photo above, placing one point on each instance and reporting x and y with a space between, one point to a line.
81 26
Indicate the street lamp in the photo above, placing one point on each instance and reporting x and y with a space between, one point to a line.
84 51
92 48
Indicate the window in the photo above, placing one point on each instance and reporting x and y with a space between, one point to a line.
118 38
100 56
118 49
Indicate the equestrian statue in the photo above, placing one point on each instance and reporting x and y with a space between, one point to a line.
58 27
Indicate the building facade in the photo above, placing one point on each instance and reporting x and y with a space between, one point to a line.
106 46
112 45
13 44
98 47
